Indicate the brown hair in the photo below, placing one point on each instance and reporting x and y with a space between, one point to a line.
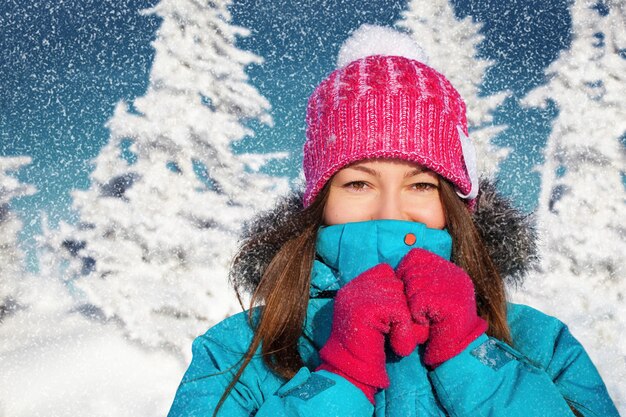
283 290
469 252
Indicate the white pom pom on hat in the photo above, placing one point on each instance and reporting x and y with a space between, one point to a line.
370 40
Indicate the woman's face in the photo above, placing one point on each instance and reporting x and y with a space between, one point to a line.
384 189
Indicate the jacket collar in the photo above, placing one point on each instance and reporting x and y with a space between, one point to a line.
346 250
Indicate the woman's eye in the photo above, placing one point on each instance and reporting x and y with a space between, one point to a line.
425 186
356 185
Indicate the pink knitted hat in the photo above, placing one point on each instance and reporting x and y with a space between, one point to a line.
386 106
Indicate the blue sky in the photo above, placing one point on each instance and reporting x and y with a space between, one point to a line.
64 65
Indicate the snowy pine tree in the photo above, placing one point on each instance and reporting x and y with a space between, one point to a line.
451 46
12 267
581 211
57 261
158 225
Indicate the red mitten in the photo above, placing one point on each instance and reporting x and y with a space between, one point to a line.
441 299
366 309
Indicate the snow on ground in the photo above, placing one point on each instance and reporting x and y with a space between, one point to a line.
57 365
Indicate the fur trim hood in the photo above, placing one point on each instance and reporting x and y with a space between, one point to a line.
508 233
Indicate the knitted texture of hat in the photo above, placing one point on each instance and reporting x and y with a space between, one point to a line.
385 107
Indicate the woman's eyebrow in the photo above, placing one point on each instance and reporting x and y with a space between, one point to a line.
415 171
373 172
366 170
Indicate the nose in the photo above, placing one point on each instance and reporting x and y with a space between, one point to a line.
389 207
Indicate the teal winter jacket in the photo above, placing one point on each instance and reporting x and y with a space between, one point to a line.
545 373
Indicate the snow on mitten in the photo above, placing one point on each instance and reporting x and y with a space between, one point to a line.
367 309
442 302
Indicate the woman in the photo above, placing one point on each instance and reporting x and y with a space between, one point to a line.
379 295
